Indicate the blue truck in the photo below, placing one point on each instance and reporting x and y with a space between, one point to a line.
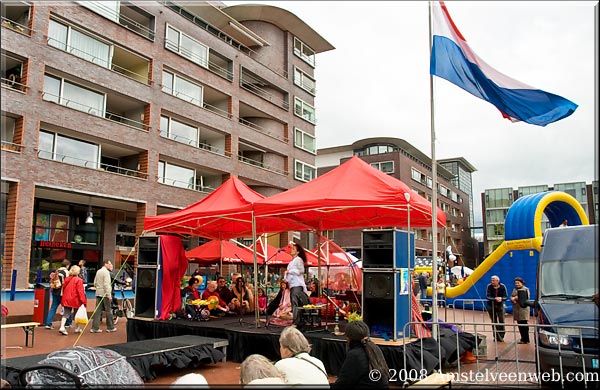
566 301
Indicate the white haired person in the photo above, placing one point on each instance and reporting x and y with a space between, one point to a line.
259 371
190 380
363 358
298 366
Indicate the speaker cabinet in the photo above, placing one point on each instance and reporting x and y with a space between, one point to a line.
378 285
148 250
148 278
386 305
145 292
388 248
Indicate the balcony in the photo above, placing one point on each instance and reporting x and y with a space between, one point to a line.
262 122
15 16
114 159
197 137
12 72
118 108
252 155
121 61
129 16
266 90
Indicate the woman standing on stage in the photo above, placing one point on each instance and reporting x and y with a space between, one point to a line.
295 278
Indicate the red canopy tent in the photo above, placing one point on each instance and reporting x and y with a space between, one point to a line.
225 213
216 250
353 195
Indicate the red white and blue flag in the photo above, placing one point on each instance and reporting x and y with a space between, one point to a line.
452 59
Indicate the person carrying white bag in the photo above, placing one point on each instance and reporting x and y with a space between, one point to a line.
73 298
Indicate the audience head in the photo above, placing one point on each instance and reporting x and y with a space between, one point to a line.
74 270
239 282
81 263
261 292
292 342
283 284
258 367
192 380
65 263
221 281
211 285
193 282
358 331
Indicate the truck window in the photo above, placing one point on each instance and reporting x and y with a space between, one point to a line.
572 277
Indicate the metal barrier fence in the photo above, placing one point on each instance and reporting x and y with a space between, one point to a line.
561 356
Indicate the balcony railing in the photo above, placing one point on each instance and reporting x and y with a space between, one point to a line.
185 185
253 88
261 129
90 164
95 111
14 84
196 102
11 146
194 143
261 165
199 60
11 24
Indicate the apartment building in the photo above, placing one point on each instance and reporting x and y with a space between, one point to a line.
113 111
400 159
495 203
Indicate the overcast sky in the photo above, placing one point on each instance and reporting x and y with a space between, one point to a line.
376 84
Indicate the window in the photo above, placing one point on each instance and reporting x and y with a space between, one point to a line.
417 176
305 141
453 196
176 176
304 81
443 191
186 47
57 147
304 172
71 95
8 129
77 43
303 51
385 167
177 86
429 182
304 110
178 131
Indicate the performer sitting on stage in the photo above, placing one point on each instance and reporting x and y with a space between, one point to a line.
281 306
243 299
191 293
221 308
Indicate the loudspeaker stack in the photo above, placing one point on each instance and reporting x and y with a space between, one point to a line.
388 257
148 277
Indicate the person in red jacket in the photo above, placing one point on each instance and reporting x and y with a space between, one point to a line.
221 308
72 298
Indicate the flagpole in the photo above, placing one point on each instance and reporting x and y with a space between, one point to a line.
434 309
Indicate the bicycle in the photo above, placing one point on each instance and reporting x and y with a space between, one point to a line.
124 308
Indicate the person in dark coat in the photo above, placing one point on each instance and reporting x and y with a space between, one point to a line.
363 359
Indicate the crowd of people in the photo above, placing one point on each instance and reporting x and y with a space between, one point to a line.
68 286
297 367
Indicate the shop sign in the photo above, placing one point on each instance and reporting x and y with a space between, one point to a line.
55 244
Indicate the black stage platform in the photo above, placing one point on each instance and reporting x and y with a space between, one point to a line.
145 357
246 339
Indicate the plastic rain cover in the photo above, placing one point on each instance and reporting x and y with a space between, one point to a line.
95 367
